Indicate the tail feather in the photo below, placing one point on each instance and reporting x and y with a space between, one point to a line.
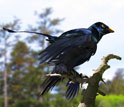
49 83
73 89
69 91
51 39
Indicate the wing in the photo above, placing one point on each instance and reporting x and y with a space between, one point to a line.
65 43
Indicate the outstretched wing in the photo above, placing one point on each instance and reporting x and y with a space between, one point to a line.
66 41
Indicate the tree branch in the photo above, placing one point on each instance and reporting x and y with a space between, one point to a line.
89 95
53 75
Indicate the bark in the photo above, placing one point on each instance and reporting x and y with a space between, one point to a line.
89 95
5 89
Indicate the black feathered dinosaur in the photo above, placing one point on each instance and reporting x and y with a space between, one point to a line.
70 49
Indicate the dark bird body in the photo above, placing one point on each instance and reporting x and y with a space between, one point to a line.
71 49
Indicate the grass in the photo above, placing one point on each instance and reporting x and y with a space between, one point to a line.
110 101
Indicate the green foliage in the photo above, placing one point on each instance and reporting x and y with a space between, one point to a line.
20 55
1 102
116 86
26 76
60 100
27 103
110 101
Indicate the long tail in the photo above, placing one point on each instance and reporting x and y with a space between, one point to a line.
51 39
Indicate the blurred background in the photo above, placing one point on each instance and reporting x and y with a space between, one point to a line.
20 73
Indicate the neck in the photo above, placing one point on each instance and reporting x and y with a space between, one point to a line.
95 33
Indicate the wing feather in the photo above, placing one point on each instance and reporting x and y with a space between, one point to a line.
62 45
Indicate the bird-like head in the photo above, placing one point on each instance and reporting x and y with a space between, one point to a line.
102 28
99 29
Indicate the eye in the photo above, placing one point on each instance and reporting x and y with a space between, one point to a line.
102 26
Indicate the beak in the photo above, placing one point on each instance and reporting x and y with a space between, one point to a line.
110 30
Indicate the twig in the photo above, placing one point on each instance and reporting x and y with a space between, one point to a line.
52 75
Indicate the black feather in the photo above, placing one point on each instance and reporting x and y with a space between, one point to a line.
49 83
71 49
70 89
73 89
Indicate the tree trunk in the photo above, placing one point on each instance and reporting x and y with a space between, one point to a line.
5 74
5 89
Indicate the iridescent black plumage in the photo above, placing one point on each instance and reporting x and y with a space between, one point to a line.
71 49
